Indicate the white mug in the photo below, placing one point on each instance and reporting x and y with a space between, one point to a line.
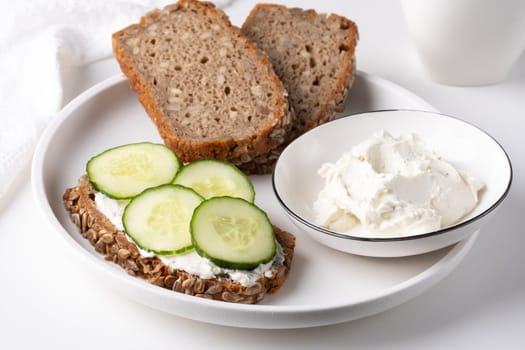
467 42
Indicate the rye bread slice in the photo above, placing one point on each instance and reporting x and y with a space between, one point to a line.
313 54
113 244
209 90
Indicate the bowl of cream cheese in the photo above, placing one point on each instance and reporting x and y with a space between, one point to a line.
392 183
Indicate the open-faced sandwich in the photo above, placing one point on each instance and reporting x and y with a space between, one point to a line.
193 229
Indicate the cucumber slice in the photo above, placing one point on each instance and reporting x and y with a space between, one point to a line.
233 233
213 178
125 171
158 219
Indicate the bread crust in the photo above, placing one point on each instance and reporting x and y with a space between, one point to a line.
114 245
235 150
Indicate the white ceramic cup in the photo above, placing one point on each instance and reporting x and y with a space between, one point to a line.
467 42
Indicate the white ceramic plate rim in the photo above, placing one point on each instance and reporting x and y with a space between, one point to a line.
460 224
322 314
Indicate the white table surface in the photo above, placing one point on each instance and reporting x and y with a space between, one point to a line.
46 302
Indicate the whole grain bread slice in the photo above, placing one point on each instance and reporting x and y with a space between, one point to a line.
210 91
313 54
113 244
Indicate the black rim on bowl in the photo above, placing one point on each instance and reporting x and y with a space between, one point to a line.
401 238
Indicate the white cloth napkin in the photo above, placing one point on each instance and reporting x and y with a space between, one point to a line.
38 39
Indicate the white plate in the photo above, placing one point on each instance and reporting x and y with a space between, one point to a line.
324 286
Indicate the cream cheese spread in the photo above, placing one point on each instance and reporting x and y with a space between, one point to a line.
388 186
190 262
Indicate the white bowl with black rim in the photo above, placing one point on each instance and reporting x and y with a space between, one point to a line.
296 182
